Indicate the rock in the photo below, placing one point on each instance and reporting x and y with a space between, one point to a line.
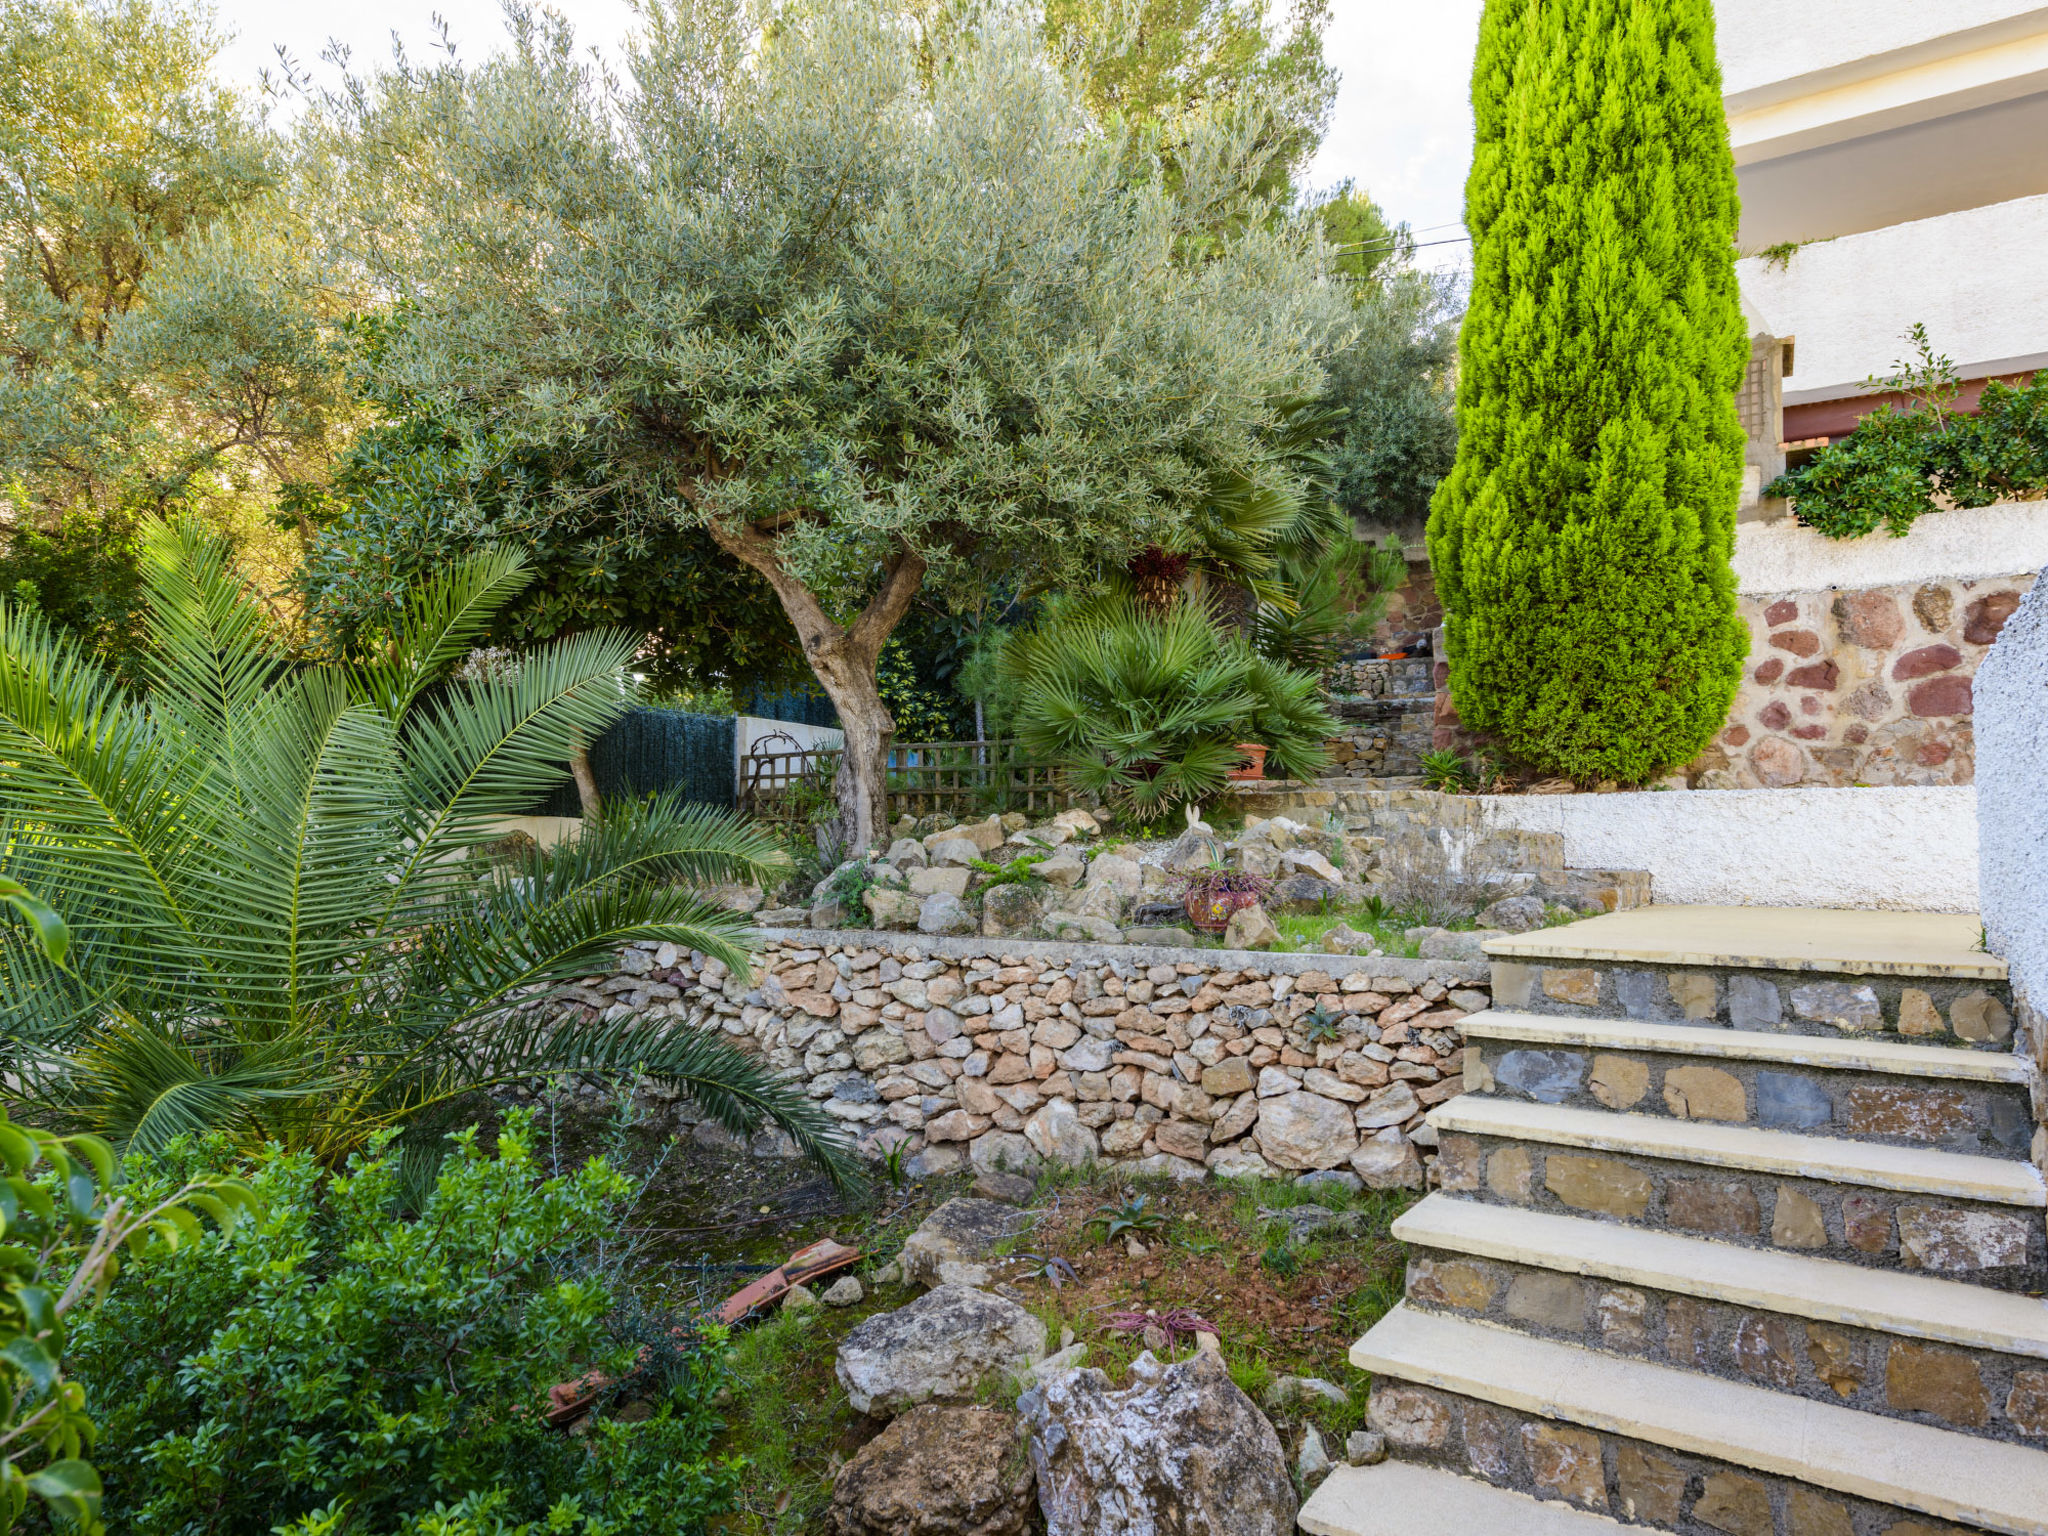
1365 1448
1250 928
1313 1465
1068 1358
1289 1391
1010 911
782 917
1241 1161
1344 940
1058 1135
1166 1165
1004 1152
1304 1222
1303 894
1112 870
1228 1078
891 909
829 913
957 852
1306 861
945 913
1388 1160
1195 849
846 1291
937 1471
937 1348
1514 914
1009 1188
799 1298
1164 938
1073 928
1064 869
907 853
1441 944
1078 821
1180 1452
1303 1130
958 1232
1389 1107
929 882
736 898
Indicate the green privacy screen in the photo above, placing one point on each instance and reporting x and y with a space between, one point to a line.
654 750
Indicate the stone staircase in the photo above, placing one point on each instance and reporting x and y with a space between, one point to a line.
1738 1234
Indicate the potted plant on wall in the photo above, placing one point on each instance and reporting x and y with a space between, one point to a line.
1217 892
1254 765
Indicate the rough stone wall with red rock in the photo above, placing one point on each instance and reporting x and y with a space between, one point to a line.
1867 686
1012 1053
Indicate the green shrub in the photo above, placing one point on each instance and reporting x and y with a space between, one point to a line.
337 1365
1147 711
1900 464
1582 542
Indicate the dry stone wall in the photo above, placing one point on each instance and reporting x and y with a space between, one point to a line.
1013 1054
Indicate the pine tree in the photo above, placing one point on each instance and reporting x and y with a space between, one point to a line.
1582 541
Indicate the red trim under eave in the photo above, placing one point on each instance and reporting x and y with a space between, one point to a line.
1837 418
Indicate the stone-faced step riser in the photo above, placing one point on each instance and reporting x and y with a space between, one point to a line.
2001 1246
1621 1477
1989 1119
1981 1392
1928 1009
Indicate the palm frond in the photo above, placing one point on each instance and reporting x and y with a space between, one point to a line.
734 1089
444 617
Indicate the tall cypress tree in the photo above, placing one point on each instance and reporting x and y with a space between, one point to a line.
1582 541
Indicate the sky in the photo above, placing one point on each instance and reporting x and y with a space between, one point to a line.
1402 128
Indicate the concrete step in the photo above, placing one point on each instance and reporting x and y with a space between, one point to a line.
1797 1284
1827 940
1400 1498
1862 1089
1790 1441
1902 975
1909 1170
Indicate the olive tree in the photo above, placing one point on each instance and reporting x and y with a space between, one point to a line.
877 322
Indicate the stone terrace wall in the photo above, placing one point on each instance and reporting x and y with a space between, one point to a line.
1010 1053
1863 686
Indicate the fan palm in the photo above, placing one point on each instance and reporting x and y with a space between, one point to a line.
1147 710
285 924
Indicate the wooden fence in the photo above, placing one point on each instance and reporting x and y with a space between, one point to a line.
961 778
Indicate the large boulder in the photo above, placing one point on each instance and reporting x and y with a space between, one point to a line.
1180 1452
1250 928
1009 911
959 1236
937 1472
1306 1130
1059 1136
891 909
944 913
937 1349
1195 849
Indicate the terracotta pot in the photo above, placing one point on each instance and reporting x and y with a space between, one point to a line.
1211 911
1256 768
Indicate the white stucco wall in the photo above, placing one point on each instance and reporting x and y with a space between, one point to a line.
1762 42
1974 279
2011 691
2009 539
1897 849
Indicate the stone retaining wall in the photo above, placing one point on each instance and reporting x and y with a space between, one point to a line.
1011 1053
1859 686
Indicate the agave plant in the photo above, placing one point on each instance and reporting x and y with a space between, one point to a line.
284 923
1147 711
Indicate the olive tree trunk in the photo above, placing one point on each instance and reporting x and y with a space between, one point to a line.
587 800
844 658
